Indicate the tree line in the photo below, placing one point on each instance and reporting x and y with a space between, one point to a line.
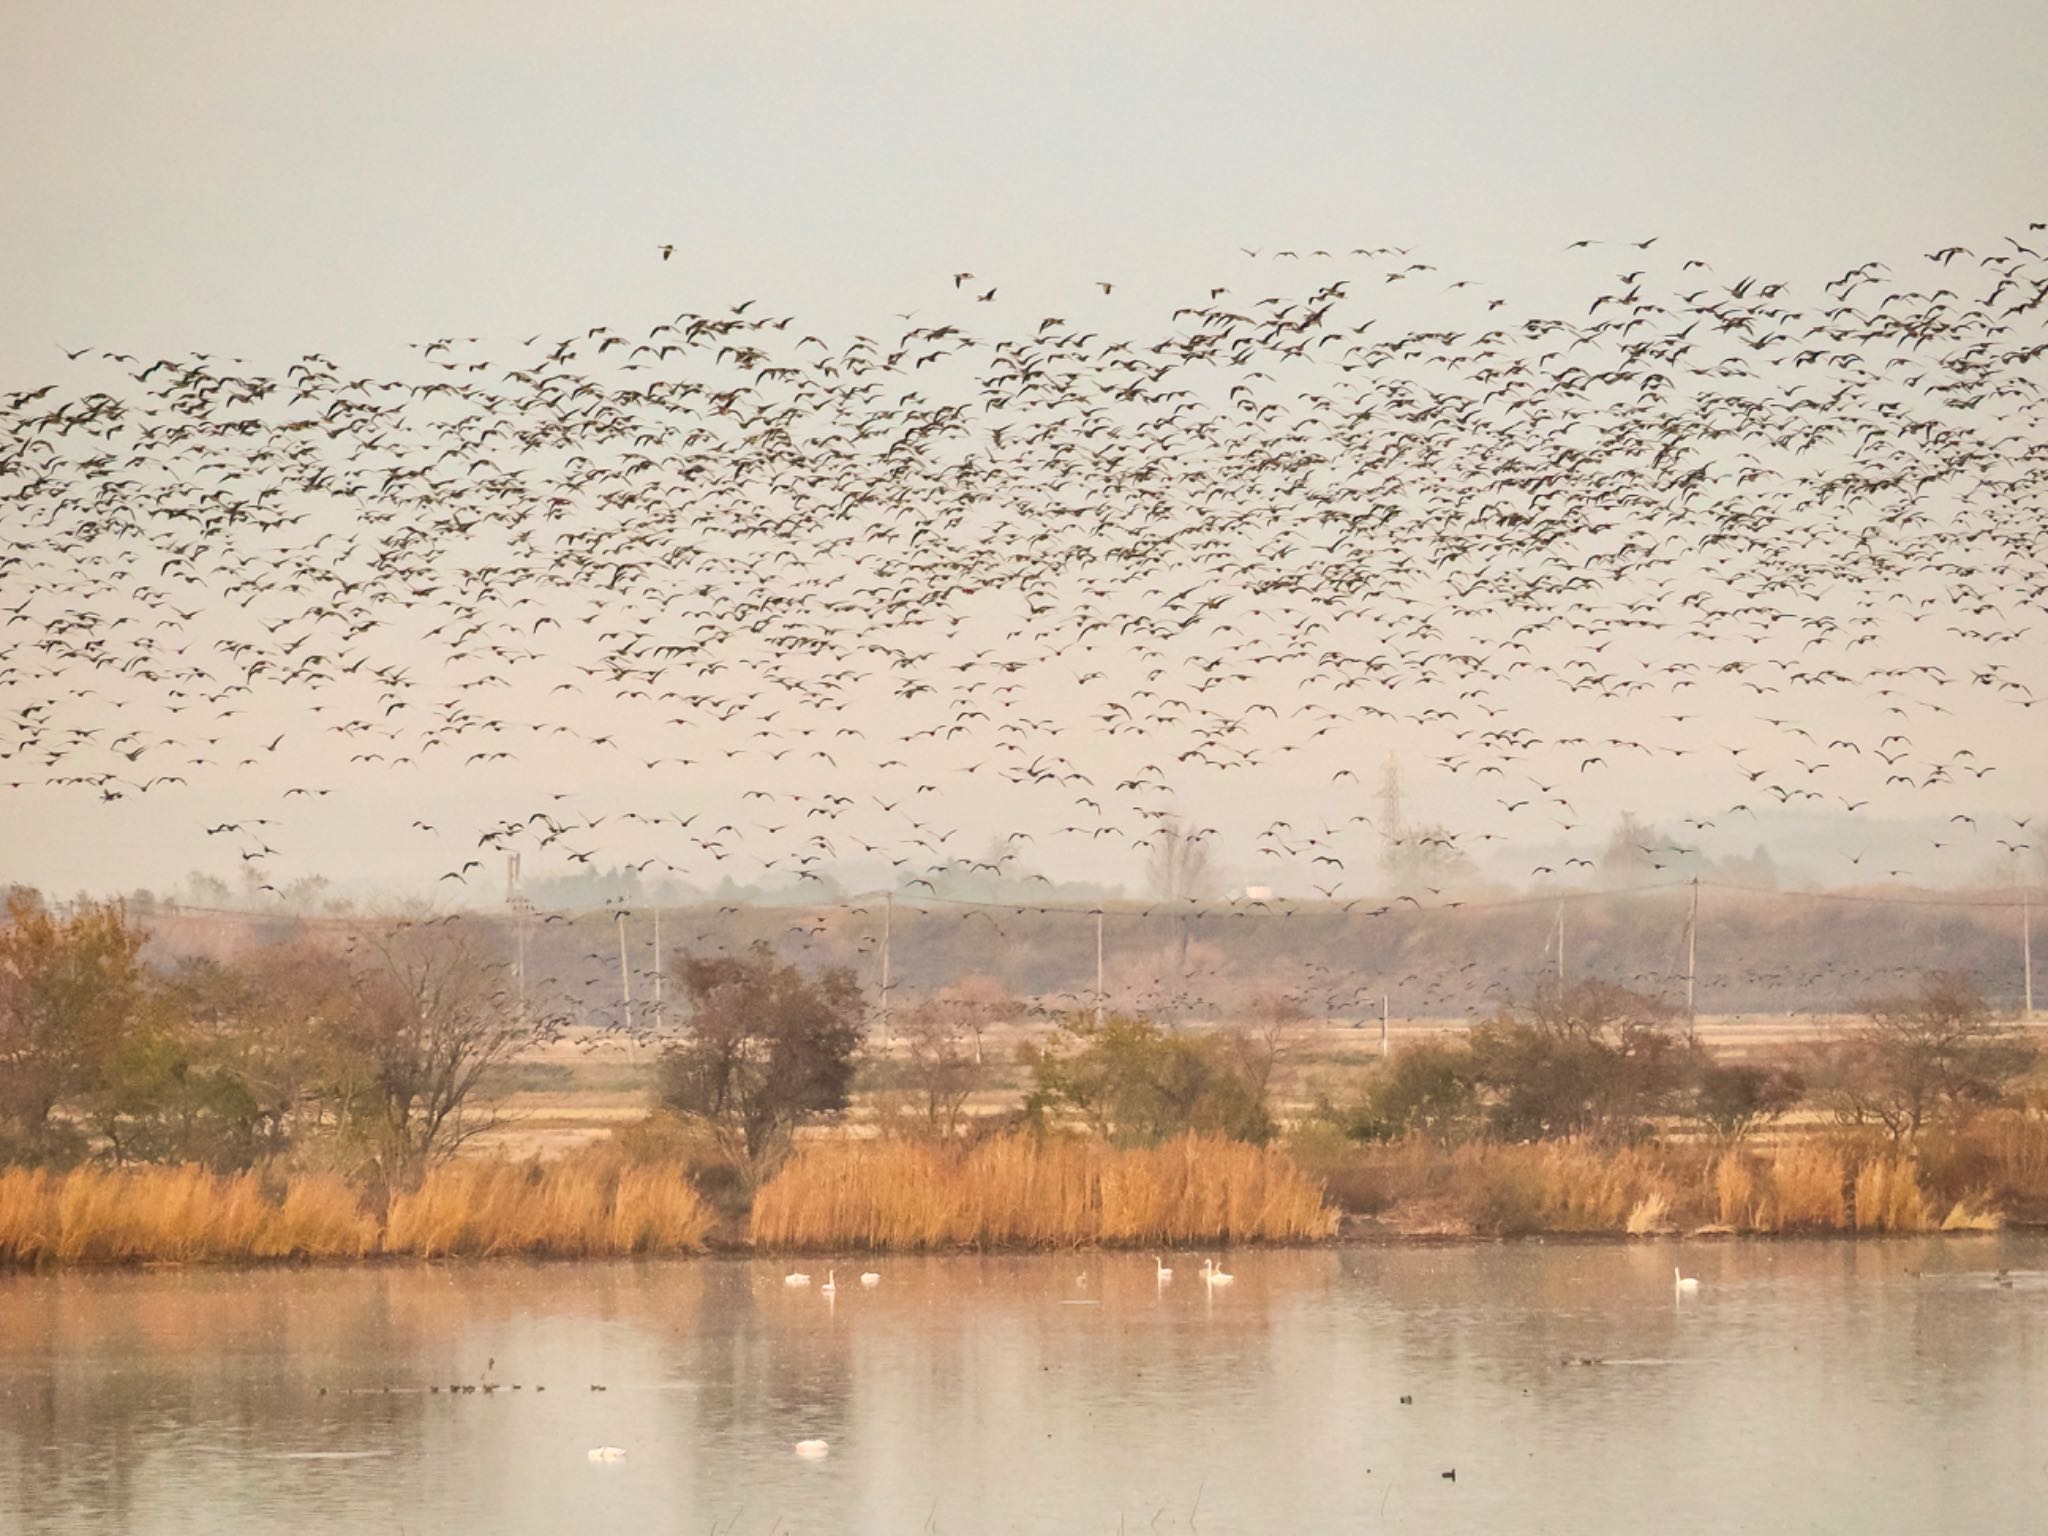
373 1059
364 1061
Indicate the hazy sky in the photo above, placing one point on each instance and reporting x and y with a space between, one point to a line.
267 179
257 176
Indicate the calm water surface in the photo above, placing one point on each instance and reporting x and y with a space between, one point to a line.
1824 1386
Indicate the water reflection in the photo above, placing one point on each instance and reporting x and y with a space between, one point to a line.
1821 1384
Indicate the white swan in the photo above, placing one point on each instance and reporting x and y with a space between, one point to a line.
1686 1284
813 1449
1160 1269
1213 1273
831 1285
795 1279
608 1453
871 1279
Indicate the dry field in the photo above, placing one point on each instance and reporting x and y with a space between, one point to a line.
565 1095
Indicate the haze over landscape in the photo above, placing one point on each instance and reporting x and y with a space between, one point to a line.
863 503
1147 676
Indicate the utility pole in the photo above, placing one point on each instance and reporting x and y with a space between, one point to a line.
657 968
1692 939
1560 944
888 925
520 924
1098 968
2027 952
517 902
1386 1047
625 976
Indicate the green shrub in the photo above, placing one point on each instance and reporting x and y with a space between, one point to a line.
1134 1084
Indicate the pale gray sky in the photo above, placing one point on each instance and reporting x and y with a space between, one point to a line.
257 176
266 180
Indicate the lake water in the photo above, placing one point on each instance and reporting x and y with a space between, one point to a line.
1808 1386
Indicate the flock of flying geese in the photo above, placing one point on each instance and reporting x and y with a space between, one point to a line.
797 600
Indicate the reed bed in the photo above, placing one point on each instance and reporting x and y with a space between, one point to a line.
583 1208
1811 1184
1999 1159
1025 1191
622 1198
1735 1191
183 1214
1563 1187
1889 1198
1804 1189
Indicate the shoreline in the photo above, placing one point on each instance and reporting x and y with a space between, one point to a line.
1020 1194
1355 1232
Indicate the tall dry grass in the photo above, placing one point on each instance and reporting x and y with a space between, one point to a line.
1021 1190
1507 1188
1562 1187
174 1215
1809 1184
1735 1197
622 1198
1888 1196
584 1207
581 1208
1998 1159
1804 1189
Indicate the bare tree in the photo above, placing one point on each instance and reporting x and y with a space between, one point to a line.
430 1016
766 1049
1177 870
276 1023
944 1065
1270 1033
1926 1054
975 1003
1631 850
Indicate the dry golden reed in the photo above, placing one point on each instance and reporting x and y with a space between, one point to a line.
1508 1188
586 1207
1999 1158
1965 1216
172 1215
321 1217
1805 1189
1888 1197
1026 1191
1735 1190
1652 1213
579 1208
1559 1187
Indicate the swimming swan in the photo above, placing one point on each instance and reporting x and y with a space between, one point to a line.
1686 1284
796 1279
831 1285
1161 1270
813 1449
871 1279
1213 1273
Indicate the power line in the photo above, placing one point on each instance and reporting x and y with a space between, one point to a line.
1143 910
